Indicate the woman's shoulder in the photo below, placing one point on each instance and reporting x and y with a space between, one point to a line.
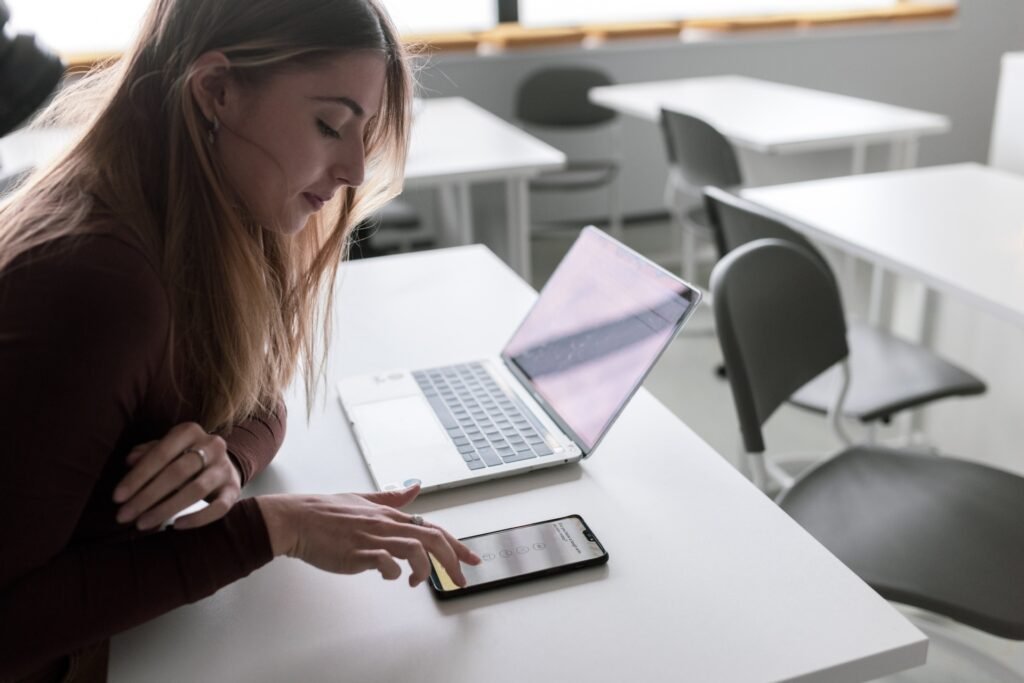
104 270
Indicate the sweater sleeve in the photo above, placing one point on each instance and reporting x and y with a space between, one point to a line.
254 443
81 334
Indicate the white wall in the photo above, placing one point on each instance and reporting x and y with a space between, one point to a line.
946 67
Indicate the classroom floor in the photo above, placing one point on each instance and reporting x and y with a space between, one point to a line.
684 380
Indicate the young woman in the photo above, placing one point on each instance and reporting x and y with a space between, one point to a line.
160 285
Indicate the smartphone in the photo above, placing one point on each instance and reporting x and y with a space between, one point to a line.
522 553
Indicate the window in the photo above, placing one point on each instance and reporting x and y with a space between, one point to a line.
545 13
75 27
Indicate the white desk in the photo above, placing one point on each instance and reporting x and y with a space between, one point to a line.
708 580
957 228
774 118
456 143
453 144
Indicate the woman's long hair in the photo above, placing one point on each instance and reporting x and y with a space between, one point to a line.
246 301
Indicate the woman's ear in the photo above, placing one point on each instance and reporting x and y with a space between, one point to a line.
210 82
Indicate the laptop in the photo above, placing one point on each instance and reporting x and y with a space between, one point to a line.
598 327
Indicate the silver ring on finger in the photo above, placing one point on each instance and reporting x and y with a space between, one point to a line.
201 453
417 520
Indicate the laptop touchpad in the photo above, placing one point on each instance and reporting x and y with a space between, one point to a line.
404 425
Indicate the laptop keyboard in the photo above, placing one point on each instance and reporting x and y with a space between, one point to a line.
489 426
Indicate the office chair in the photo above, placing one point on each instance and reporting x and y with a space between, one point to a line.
397 217
555 99
698 155
937 533
28 76
889 374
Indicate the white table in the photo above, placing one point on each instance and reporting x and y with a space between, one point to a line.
774 118
956 228
708 580
456 143
453 144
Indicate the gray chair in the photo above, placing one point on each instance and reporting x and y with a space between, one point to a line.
889 374
554 100
397 216
937 533
698 155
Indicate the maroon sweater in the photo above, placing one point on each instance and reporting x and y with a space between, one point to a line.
83 378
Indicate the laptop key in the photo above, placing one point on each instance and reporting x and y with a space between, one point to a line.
516 457
442 412
467 449
490 457
542 450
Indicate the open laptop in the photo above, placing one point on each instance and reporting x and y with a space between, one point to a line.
599 325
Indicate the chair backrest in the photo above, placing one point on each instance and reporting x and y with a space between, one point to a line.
701 155
557 97
1006 150
735 221
780 324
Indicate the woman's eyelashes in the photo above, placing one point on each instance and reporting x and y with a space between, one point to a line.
327 131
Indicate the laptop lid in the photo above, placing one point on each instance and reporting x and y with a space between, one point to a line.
598 327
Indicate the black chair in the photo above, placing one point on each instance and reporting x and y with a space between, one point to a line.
555 99
396 216
889 374
28 76
937 533
698 155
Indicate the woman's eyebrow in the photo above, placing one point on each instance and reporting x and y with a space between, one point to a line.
347 101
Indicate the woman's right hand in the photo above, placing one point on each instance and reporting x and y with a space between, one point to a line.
349 533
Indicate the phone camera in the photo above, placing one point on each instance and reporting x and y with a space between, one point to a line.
589 536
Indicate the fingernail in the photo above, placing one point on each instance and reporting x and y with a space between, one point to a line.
118 495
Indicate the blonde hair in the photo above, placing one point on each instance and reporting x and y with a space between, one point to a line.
245 301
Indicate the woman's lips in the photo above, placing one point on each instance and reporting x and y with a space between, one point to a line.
314 201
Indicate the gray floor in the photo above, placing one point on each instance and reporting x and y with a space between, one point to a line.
685 382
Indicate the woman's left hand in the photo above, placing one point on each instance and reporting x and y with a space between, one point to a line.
169 475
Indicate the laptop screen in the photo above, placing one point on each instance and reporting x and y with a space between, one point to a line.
602 320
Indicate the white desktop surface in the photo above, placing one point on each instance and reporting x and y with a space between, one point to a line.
453 144
456 143
708 580
770 117
454 139
958 228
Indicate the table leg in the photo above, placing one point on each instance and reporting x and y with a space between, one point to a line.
848 261
465 214
449 210
517 198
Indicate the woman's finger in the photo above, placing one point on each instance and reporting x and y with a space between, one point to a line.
157 458
462 551
408 549
169 480
198 489
138 452
217 508
380 560
430 537
393 499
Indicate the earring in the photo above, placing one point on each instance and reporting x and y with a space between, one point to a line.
214 128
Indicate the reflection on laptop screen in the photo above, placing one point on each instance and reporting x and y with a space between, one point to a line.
601 322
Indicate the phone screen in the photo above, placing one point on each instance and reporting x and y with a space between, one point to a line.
543 547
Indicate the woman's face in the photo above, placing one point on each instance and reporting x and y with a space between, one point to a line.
291 143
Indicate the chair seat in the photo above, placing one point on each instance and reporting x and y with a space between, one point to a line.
887 374
578 175
698 216
937 533
398 215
